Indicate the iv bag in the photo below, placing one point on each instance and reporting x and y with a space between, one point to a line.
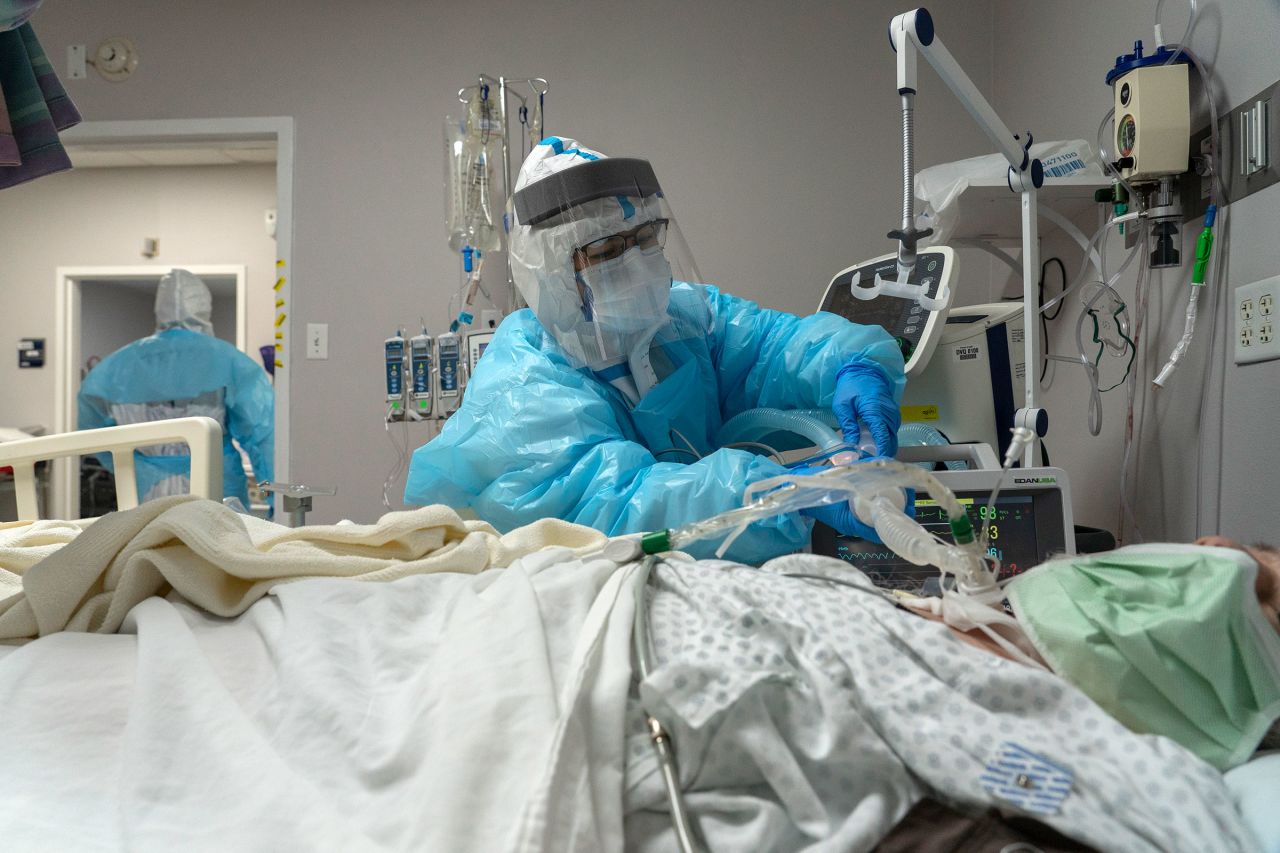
471 147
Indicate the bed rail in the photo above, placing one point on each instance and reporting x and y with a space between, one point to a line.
202 435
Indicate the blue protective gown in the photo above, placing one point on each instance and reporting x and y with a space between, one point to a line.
180 373
536 437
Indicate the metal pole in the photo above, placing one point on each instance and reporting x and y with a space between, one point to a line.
1030 312
907 253
506 189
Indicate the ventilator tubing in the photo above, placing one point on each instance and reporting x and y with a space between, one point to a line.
752 425
901 534
873 489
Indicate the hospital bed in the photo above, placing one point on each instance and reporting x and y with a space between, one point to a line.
202 435
421 714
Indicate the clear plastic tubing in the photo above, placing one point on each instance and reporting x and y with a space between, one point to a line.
903 537
753 425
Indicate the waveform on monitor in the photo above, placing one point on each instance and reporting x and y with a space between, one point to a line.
869 556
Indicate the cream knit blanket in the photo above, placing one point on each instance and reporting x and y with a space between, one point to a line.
67 576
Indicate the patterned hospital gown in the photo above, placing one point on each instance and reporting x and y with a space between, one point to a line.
812 715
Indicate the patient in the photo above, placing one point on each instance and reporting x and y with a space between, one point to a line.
805 707
1176 640
1268 559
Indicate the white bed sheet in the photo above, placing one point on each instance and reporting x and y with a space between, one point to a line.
433 713
489 712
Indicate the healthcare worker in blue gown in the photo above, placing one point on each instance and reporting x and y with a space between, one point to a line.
601 404
184 371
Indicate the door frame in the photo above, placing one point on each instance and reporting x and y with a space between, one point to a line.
65 488
279 129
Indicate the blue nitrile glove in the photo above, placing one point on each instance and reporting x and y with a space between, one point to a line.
863 394
840 517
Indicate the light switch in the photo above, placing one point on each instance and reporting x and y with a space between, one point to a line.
317 340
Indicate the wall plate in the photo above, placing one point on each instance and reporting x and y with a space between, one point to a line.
1237 179
1256 308
76 62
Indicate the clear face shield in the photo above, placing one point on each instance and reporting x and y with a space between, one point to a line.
595 251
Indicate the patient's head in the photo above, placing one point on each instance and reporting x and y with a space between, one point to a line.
1268 560
1115 626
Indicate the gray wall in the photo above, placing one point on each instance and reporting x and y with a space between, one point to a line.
773 126
117 315
1052 74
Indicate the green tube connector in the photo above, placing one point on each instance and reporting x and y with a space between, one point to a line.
656 542
1115 195
961 529
1204 247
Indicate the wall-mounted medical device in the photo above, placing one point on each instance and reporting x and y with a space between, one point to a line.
914 325
1152 114
1151 144
477 343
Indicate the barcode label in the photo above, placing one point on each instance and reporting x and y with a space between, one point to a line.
1061 171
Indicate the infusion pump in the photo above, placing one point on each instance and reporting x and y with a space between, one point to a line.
425 377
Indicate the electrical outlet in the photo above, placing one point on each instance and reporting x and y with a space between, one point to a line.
1256 332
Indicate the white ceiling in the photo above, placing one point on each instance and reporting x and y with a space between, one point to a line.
101 156
219 285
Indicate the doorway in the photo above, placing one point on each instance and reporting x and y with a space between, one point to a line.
178 143
120 301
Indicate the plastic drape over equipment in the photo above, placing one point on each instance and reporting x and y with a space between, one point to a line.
601 404
182 371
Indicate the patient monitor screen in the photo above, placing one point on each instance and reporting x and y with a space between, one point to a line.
1026 528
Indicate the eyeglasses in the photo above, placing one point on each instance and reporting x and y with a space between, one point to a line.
652 234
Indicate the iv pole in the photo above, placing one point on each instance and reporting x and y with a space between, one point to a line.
912 34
